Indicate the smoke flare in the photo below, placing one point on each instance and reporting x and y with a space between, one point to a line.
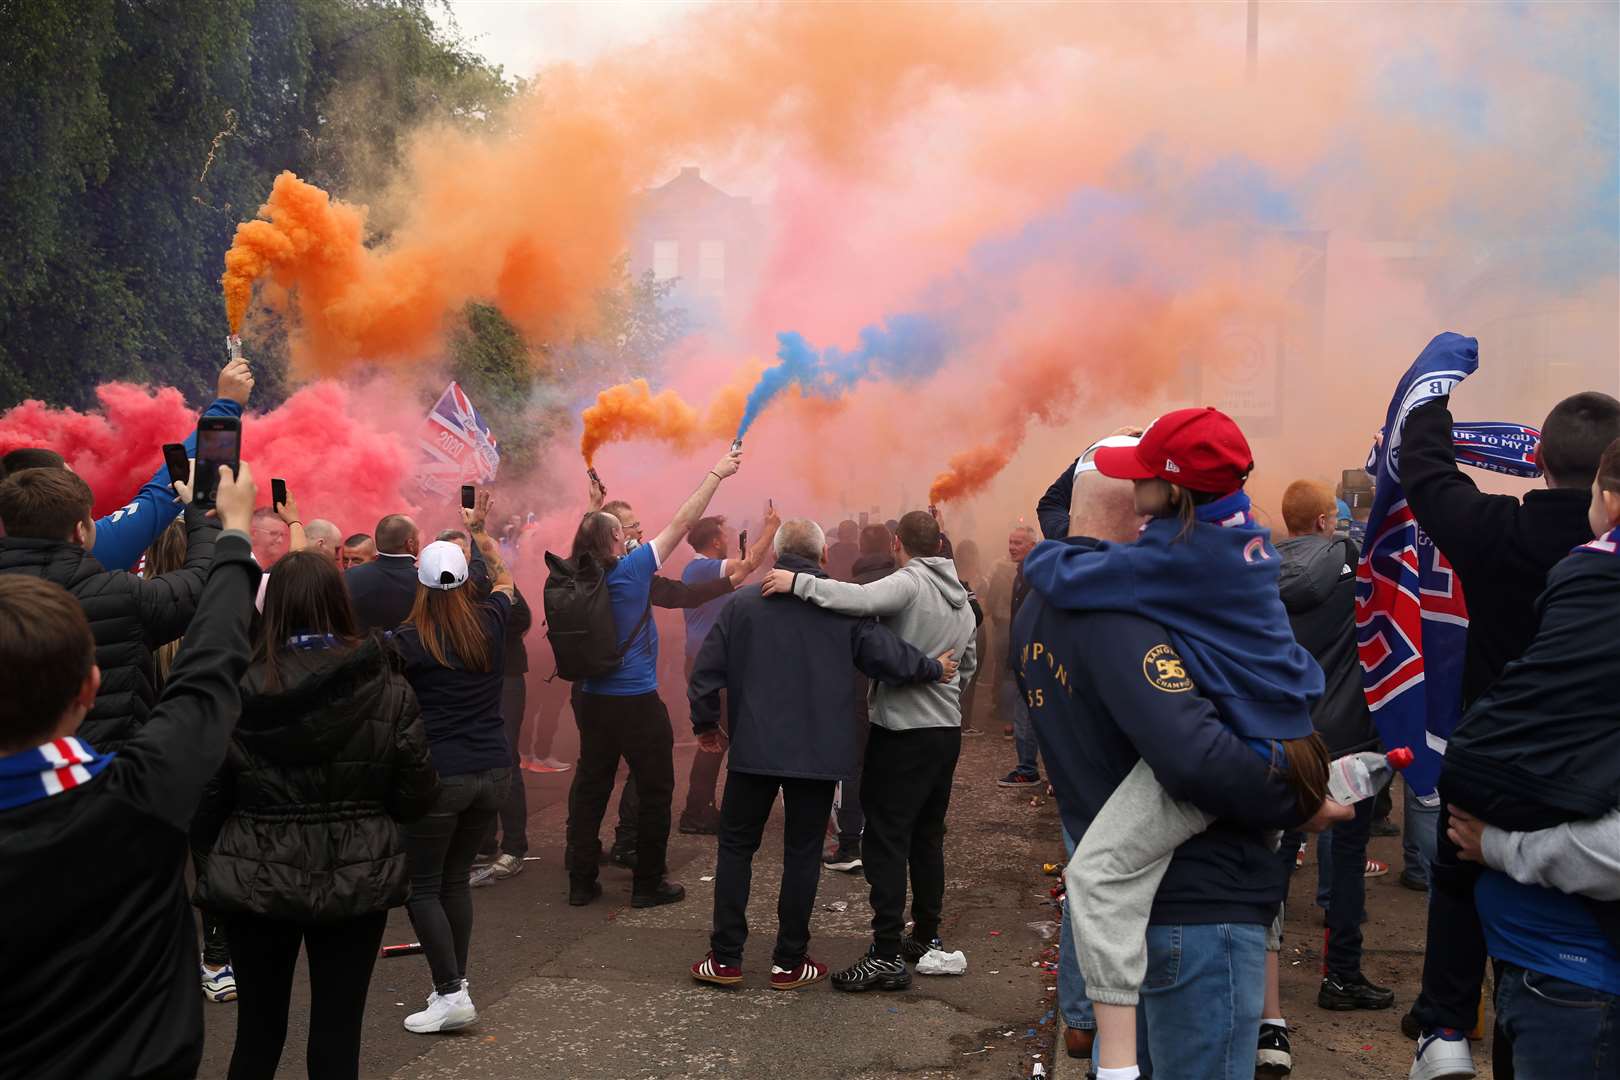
337 463
908 346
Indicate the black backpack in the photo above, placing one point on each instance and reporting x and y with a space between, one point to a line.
579 619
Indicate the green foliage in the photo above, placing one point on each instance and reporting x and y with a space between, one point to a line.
139 134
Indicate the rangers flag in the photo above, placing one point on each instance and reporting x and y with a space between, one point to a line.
1411 616
457 445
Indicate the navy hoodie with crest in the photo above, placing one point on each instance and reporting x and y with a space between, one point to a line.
1215 592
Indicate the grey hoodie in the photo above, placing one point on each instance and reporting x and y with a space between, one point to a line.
1318 586
924 603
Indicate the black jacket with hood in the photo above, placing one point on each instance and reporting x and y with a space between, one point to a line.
790 690
1542 745
97 941
320 773
1318 587
130 617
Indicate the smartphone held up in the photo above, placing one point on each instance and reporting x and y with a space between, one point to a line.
219 443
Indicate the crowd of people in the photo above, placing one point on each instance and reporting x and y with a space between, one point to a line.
232 735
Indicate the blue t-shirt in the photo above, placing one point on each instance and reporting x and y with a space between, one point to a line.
700 620
1545 930
629 587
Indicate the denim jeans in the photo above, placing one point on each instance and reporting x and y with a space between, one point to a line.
1201 1001
1418 833
1558 1030
439 851
1347 899
1073 1004
1011 703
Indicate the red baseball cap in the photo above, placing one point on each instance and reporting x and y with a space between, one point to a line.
1199 449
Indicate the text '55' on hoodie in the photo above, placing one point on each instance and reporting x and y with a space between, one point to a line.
925 603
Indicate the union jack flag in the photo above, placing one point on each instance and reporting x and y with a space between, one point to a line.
458 446
1411 615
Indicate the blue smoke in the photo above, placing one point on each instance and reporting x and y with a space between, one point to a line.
904 347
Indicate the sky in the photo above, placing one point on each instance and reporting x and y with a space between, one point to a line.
524 36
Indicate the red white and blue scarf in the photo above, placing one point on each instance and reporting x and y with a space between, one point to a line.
1411 615
57 766
1607 544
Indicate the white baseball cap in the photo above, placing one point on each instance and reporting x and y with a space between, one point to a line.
442 566
1087 461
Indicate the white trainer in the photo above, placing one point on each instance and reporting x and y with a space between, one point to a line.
1440 1058
219 984
444 1012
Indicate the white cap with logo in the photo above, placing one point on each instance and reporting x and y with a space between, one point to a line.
442 566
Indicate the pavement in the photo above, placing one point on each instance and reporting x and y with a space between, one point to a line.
603 991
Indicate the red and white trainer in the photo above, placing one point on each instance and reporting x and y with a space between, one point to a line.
712 971
803 973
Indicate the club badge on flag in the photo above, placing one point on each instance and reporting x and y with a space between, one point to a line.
1411 615
457 444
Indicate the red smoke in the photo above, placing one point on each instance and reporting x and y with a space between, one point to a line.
336 465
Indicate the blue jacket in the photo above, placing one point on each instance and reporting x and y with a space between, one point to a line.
1099 702
1216 594
123 536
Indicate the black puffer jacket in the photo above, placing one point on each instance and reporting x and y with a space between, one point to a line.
319 776
130 616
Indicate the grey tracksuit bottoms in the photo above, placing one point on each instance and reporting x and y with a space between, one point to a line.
1114 875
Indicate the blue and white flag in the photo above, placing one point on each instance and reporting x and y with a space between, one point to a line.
1411 616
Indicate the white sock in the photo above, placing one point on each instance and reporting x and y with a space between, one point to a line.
1275 1023
1129 1072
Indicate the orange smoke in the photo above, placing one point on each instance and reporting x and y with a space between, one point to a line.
300 237
533 214
632 410
1119 346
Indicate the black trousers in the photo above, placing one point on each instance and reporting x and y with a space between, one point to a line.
1347 892
744 810
513 819
851 818
637 729
704 780
439 850
905 790
1454 961
264 953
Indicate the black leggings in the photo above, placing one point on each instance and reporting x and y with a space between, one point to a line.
264 953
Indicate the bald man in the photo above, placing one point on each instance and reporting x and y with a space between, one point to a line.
324 537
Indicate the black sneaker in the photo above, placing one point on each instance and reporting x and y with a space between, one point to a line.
705 822
1385 827
668 892
1410 1026
623 856
580 895
885 973
1353 992
913 950
1274 1056
845 858
1415 882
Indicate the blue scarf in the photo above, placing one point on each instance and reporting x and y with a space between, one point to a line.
47 770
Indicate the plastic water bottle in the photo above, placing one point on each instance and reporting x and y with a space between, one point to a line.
1355 777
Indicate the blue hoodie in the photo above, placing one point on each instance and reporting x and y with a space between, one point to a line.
1216 594
123 536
